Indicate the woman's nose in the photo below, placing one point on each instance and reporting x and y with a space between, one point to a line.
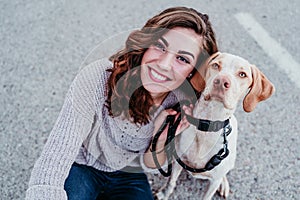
165 60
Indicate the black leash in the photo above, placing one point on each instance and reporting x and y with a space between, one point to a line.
170 150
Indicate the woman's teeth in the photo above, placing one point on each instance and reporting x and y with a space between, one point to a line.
158 76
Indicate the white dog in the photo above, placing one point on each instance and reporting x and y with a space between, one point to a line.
226 80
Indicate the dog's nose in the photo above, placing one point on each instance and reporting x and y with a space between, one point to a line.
222 82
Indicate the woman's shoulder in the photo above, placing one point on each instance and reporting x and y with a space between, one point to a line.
92 78
95 72
96 68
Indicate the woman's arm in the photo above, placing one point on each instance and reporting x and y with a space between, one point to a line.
52 167
73 125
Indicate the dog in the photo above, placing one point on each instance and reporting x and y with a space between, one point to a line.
225 79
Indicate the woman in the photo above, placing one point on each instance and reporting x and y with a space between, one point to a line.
112 110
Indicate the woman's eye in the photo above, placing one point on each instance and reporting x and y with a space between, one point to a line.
183 59
160 46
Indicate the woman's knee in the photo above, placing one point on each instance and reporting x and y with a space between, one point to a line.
135 188
80 183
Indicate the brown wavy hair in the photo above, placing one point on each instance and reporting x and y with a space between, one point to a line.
126 94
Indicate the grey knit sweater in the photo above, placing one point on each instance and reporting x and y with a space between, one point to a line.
85 133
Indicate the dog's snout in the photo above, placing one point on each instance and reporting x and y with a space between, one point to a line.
222 82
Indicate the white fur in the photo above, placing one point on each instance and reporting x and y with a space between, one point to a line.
217 102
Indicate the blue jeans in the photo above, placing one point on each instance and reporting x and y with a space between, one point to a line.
88 183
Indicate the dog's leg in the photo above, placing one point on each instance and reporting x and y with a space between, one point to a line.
212 188
166 191
224 188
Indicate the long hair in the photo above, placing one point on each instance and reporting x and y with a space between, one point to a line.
126 94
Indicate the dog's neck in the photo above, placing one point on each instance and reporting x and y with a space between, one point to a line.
211 110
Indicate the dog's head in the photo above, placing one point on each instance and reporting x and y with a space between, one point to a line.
228 78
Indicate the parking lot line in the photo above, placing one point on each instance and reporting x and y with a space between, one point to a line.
274 50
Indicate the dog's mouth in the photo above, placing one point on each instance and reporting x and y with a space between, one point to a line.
214 97
218 98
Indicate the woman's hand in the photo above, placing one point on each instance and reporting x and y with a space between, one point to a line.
160 145
162 117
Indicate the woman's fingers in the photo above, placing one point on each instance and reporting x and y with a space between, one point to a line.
188 109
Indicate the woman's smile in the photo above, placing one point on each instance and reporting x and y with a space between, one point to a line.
156 76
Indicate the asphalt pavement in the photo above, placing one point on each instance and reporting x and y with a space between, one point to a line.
44 43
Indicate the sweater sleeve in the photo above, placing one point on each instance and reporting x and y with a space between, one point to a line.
72 126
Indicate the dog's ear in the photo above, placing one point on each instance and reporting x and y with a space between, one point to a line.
260 89
197 79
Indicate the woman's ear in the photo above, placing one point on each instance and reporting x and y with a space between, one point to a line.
260 89
197 80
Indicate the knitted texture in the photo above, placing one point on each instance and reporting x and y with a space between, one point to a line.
85 133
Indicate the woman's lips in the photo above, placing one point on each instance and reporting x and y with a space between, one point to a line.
157 77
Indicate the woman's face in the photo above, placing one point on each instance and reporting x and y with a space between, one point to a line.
167 63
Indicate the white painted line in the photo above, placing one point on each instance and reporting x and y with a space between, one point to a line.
275 51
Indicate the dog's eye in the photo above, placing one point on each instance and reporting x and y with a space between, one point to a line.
242 74
215 66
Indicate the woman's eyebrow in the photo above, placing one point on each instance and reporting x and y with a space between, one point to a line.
180 51
164 41
186 52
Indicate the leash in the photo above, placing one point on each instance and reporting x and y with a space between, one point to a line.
202 125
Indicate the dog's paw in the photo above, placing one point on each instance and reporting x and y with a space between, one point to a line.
224 188
159 195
